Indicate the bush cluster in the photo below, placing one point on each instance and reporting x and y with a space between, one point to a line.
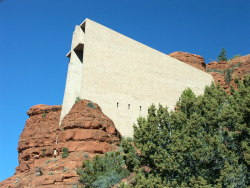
78 99
91 105
103 171
205 142
65 152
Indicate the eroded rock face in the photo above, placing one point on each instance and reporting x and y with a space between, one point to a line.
86 128
239 66
196 61
39 135
84 132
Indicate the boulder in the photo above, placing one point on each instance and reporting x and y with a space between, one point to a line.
196 61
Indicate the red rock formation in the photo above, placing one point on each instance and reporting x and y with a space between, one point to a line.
240 66
88 129
39 135
244 68
85 132
196 61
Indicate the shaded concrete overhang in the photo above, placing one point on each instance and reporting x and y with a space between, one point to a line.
68 54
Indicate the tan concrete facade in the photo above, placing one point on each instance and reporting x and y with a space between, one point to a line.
124 76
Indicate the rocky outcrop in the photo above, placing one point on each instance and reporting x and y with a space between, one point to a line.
49 154
88 129
196 61
39 135
238 67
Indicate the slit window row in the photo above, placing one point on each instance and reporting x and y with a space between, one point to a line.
117 105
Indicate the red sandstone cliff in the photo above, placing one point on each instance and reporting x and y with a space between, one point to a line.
239 67
85 131
196 61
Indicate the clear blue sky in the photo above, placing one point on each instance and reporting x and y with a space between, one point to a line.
35 35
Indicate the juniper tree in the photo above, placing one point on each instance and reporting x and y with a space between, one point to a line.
222 56
204 142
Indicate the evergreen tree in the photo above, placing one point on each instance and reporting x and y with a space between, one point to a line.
228 75
129 154
205 143
222 56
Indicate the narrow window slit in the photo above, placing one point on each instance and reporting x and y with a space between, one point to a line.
117 104
128 106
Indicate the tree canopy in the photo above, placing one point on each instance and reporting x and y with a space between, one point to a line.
205 142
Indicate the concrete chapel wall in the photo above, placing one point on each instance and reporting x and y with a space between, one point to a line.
74 75
125 77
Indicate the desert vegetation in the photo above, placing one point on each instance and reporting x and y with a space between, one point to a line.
103 171
222 56
205 142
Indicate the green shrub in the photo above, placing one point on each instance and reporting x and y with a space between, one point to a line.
91 105
43 152
215 70
143 179
77 99
85 155
65 169
44 114
129 154
228 75
235 56
103 171
129 139
65 152
236 65
51 173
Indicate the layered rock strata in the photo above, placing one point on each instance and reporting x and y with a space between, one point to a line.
49 154
194 60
